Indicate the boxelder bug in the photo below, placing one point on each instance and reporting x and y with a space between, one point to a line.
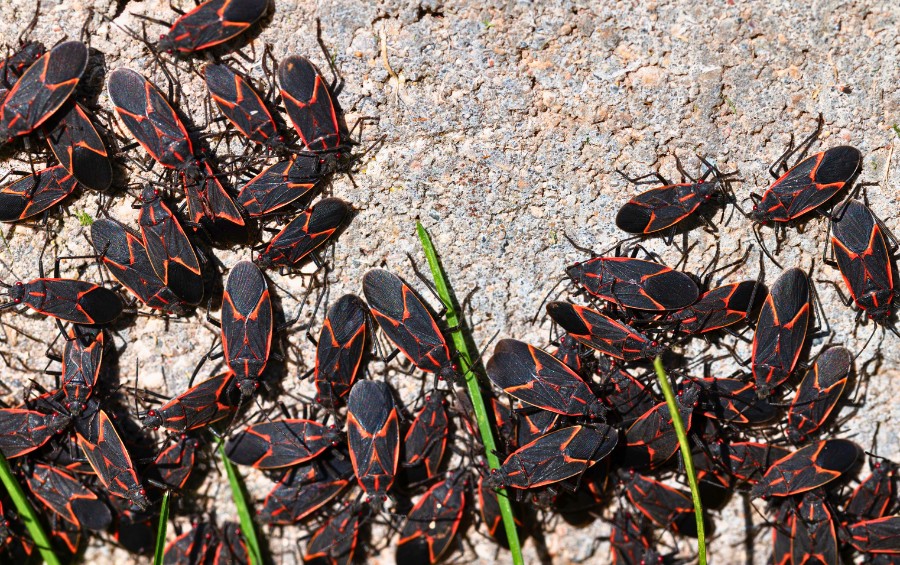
281 443
373 435
64 494
192 547
603 333
340 349
864 260
173 466
243 107
42 89
734 401
310 107
304 234
210 24
304 489
807 468
426 438
408 323
208 203
813 537
663 207
35 194
279 185
169 249
717 308
634 283
433 521
629 538
818 393
875 495
199 406
665 506
12 67
881 535
651 440
79 148
539 379
781 330
107 455
246 326
335 542
79 302
82 355
556 456
122 250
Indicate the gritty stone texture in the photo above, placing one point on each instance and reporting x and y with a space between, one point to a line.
500 126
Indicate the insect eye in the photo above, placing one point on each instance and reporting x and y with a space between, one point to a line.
143 492
654 343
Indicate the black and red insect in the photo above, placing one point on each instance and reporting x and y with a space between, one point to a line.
665 506
408 323
629 538
426 439
122 250
818 393
307 232
651 440
201 405
69 300
242 106
208 203
532 423
304 489
556 456
67 497
864 259
373 435
35 194
807 468
79 148
733 401
602 333
279 185
662 207
880 535
170 251
42 89
247 326
539 379
718 308
107 455
781 330
813 533
210 24
281 443
81 360
432 523
22 431
875 495
335 542
340 349
12 67
634 283
193 547
173 466
626 394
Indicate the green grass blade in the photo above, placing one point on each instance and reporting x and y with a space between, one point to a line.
678 424
454 320
248 528
161 530
27 514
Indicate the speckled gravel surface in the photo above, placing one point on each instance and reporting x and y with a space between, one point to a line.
500 126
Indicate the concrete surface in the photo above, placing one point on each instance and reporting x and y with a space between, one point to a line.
502 126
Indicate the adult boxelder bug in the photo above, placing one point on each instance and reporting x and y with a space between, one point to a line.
42 89
211 23
717 308
173 466
243 107
304 234
35 194
426 439
667 507
79 148
433 521
576 356
749 460
781 330
169 249
629 538
626 395
408 323
864 260
122 250
193 547
818 393
304 489
807 468
556 456
279 185
201 405
246 325
532 423
79 302
231 548
281 443
875 495
664 206
651 440
340 349
373 435
209 204
635 283
335 542
881 535
813 537
537 378
603 333
734 401
64 494
309 106
12 67
81 359
107 455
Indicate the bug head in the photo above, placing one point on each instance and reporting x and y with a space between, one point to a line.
166 43
59 421
152 420
15 291
149 194
333 435
137 496
248 388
